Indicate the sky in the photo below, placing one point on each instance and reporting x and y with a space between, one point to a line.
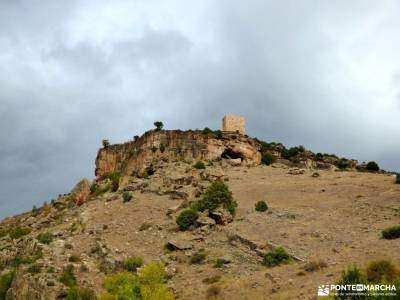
324 74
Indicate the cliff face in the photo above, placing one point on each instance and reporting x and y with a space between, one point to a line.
135 157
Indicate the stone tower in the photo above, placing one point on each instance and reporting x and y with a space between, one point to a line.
233 123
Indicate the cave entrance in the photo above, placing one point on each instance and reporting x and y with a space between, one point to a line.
230 154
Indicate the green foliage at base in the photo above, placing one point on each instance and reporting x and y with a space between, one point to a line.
391 233
187 218
276 257
114 177
148 285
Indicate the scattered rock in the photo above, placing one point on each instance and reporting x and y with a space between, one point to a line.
221 216
296 171
315 174
178 245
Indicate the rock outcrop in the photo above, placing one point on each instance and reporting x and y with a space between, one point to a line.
138 157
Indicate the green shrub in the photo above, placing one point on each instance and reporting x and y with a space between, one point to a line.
132 263
105 143
127 196
397 179
217 195
289 153
114 177
391 233
220 262
34 269
19 232
267 158
352 275
187 218
342 163
162 148
159 125
276 257
68 277
372 166
5 283
45 237
218 134
206 131
199 165
149 284
381 270
154 149
261 206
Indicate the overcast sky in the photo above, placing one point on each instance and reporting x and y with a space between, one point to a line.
324 74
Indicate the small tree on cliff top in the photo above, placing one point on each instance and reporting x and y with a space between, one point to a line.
159 125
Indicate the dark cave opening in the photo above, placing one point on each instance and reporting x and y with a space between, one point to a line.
230 154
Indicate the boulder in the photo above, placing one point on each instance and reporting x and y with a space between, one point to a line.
296 171
178 245
205 220
80 192
221 216
235 162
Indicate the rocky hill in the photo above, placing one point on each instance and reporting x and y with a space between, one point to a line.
202 215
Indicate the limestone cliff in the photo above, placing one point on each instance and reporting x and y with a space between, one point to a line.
135 157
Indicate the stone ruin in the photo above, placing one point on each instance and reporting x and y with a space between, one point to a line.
232 123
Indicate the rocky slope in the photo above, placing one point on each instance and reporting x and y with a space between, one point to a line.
130 210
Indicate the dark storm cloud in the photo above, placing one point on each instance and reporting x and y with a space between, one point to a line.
302 72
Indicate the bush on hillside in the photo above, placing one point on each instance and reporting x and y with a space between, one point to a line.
217 195
5 283
261 206
127 196
159 125
381 270
187 218
267 158
352 275
372 166
149 284
276 257
391 233
397 179
199 165
45 237
132 263
18 232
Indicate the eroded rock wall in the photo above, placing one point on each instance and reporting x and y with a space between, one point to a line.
135 157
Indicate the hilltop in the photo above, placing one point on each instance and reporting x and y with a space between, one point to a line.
326 212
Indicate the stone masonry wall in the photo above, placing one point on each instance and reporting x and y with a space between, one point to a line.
233 123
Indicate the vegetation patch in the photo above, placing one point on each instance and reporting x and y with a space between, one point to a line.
376 272
126 197
149 284
68 277
397 179
5 283
187 218
45 237
34 269
131 264
372 166
77 293
217 195
199 165
261 206
267 158
276 257
391 233
19 232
